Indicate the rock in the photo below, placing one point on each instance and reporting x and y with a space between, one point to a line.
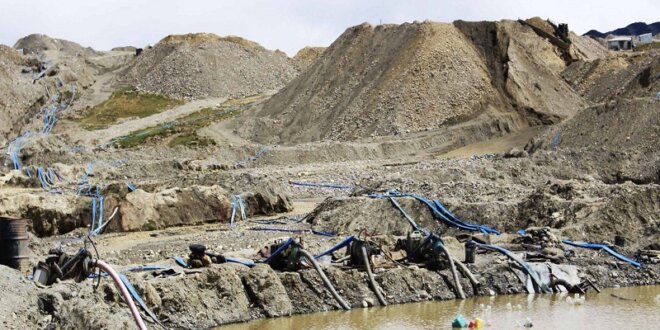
151 296
370 302
265 287
172 207
515 153
217 291
267 201
50 214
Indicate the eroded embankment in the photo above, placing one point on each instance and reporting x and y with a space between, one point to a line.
228 293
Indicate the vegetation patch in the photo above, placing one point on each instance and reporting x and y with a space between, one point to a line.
183 131
649 46
126 102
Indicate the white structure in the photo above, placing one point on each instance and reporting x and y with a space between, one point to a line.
646 38
620 42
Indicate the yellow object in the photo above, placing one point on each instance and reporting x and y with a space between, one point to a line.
479 323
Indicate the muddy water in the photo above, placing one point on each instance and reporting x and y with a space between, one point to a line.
598 311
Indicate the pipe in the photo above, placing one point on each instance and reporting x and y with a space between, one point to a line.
466 272
370 275
538 284
124 292
325 279
457 281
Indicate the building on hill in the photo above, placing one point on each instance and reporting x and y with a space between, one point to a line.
645 38
620 43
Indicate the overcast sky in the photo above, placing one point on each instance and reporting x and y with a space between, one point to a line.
283 24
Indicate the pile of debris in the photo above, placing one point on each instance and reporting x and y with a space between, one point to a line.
205 65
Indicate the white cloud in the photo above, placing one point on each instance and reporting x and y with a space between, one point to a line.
285 24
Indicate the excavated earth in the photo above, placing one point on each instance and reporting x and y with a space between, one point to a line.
205 65
501 121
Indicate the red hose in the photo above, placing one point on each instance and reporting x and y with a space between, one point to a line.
124 292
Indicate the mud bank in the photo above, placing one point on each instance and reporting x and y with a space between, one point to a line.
229 293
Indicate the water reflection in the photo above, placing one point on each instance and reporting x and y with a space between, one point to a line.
562 311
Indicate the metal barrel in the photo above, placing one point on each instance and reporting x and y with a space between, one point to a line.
619 241
14 243
470 252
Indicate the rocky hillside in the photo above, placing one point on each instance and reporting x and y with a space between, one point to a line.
306 57
205 65
631 75
632 29
38 43
17 92
396 79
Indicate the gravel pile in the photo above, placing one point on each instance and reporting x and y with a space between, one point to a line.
17 92
38 43
205 65
306 57
399 79
627 75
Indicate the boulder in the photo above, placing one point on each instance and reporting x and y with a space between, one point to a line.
265 287
193 205
267 201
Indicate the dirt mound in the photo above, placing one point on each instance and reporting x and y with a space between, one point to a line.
620 139
306 57
587 48
37 43
205 65
350 215
624 124
618 75
394 79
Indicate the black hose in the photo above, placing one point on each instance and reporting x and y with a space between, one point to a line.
370 275
325 279
466 272
457 281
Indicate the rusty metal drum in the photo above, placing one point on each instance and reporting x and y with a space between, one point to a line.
14 243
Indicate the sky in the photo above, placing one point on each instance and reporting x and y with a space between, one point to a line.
284 24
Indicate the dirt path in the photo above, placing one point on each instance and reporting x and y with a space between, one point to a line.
223 134
127 127
496 145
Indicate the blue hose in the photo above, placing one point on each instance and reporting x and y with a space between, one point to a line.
440 212
341 244
253 158
321 185
181 261
248 263
408 217
528 269
233 211
607 249
279 250
137 297
315 232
